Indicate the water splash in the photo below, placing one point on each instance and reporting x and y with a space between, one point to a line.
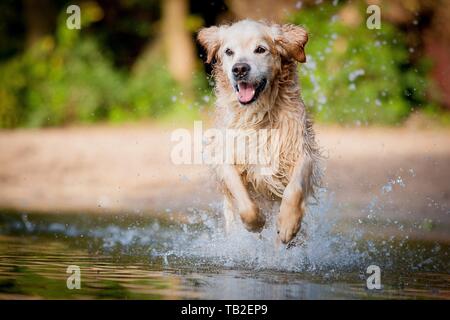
318 247
323 246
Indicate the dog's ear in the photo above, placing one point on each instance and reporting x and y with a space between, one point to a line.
292 39
209 38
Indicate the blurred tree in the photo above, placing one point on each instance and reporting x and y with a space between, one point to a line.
273 10
178 45
425 24
355 75
12 29
136 58
437 47
40 19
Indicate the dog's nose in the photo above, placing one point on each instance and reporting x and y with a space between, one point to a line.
240 70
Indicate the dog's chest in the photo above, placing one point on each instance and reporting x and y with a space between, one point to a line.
265 146
265 158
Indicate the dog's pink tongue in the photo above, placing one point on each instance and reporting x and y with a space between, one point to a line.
246 92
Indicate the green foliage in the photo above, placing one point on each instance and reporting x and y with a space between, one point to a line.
353 76
151 91
69 79
357 75
58 83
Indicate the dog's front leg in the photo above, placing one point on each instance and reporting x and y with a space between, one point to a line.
251 217
293 203
228 213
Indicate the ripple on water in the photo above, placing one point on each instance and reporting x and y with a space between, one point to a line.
322 246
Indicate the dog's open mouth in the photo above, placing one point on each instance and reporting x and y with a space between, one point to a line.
248 92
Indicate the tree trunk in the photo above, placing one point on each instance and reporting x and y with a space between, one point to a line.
40 20
178 45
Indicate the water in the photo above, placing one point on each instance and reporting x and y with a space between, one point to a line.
142 257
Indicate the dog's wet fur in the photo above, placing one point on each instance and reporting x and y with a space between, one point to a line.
255 71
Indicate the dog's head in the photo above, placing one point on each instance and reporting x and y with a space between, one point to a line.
251 53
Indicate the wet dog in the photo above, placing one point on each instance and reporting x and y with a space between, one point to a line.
255 72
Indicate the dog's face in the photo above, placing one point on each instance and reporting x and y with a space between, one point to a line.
251 54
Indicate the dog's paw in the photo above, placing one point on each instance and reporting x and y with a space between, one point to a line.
289 221
252 218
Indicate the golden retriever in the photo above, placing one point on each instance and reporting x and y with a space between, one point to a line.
255 72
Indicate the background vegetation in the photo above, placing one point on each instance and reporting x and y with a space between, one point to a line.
138 59
357 75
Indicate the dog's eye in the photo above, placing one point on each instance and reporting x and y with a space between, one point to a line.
229 52
260 49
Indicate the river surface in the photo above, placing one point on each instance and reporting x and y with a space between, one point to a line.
142 257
